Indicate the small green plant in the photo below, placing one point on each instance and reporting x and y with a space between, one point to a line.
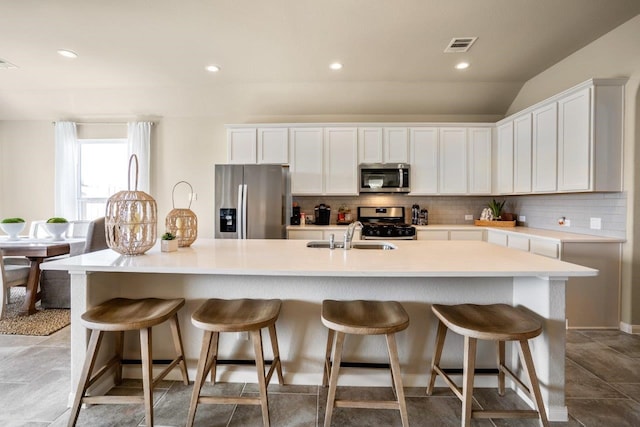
12 220
168 236
496 208
57 220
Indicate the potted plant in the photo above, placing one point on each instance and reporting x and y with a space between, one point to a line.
12 226
169 243
56 227
496 209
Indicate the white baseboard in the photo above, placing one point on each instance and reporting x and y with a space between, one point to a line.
630 329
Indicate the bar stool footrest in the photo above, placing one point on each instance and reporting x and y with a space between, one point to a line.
228 400
367 404
522 413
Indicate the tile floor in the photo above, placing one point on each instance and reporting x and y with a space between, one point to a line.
603 389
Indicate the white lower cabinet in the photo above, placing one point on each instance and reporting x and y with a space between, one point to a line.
315 233
305 234
518 242
466 235
452 234
432 234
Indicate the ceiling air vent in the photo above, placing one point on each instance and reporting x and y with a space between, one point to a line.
460 44
5 65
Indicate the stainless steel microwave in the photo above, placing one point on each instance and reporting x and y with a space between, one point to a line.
384 178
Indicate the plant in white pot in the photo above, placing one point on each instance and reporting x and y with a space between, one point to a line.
56 227
12 226
169 243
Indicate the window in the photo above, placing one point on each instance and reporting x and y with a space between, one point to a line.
102 172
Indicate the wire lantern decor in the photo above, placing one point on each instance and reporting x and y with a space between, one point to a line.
131 218
181 222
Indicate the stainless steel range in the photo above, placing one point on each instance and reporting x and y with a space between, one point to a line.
386 223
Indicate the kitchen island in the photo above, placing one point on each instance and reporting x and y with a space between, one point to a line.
415 273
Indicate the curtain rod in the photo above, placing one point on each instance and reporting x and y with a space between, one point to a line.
101 123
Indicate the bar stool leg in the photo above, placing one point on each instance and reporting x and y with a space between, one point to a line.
467 379
212 365
201 375
276 352
441 335
327 358
256 337
527 360
177 342
85 375
501 375
147 373
119 344
397 378
333 381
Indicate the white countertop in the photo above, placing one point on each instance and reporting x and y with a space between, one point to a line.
293 258
559 236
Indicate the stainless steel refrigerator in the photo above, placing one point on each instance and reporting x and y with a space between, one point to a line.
252 201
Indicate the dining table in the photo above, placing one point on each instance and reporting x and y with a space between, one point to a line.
37 251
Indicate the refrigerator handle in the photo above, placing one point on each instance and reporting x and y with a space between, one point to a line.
243 224
240 217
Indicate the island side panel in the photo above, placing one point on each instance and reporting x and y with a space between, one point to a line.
546 297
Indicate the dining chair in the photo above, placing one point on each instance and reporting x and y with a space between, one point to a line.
10 275
78 228
37 230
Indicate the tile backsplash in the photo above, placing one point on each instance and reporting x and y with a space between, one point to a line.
541 211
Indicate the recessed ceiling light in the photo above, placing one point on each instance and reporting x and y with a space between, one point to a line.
336 66
212 68
67 53
462 65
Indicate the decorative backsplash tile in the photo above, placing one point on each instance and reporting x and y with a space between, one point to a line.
541 211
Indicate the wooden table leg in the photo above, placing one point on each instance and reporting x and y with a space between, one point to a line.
32 296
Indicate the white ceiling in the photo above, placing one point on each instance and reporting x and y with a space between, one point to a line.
147 58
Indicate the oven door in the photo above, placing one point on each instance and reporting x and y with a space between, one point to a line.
384 178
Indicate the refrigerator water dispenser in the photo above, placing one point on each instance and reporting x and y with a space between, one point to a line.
228 220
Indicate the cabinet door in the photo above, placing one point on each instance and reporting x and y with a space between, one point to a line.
505 158
424 160
574 142
545 148
467 235
432 234
496 238
522 154
370 145
241 146
341 166
395 145
518 242
273 145
306 151
453 160
479 144
303 234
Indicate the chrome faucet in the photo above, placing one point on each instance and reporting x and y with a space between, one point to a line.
348 235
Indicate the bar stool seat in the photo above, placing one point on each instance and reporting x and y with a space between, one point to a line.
120 315
362 318
238 315
494 322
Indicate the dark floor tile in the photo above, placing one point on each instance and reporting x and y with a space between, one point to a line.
299 410
632 390
32 362
489 399
577 337
604 362
440 411
59 339
288 388
605 412
627 344
582 383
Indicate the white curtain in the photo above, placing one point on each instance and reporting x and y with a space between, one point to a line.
66 168
139 142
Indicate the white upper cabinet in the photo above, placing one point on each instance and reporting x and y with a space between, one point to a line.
395 146
453 160
241 146
479 145
424 160
590 132
522 154
383 145
504 158
341 165
307 165
370 145
545 148
257 145
273 145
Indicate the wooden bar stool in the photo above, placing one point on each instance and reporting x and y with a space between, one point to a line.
120 315
495 322
238 315
363 318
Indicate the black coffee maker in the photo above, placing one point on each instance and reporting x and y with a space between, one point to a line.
295 217
323 214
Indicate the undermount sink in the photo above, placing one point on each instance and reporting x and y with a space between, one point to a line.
384 246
